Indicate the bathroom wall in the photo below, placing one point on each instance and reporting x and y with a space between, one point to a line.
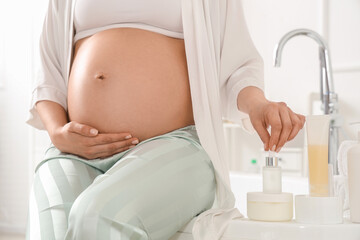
16 76
14 79
298 77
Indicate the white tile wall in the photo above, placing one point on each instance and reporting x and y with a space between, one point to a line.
344 32
15 151
344 41
13 132
298 77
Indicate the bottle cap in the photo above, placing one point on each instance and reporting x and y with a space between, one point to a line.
271 161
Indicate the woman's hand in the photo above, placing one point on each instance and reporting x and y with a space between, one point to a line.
86 142
285 124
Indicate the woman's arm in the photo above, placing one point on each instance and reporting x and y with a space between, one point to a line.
77 138
53 116
285 124
50 83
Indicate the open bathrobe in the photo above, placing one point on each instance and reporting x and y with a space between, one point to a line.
221 60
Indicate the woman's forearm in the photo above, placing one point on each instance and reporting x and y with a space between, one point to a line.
52 114
249 98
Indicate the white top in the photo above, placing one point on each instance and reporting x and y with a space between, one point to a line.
221 60
92 16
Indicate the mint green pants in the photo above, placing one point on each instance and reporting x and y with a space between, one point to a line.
146 192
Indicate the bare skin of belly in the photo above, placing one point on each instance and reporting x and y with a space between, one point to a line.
130 80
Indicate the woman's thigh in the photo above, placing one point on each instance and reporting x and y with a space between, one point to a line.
157 187
57 183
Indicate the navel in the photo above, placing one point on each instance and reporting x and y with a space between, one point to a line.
100 76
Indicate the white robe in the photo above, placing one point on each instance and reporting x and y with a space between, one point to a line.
221 61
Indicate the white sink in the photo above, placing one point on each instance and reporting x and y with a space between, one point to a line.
245 229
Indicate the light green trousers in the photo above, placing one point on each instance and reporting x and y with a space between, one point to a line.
146 192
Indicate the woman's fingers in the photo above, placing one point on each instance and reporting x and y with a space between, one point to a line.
298 122
107 144
302 119
285 124
77 138
81 129
109 149
261 129
96 138
286 128
104 138
274 121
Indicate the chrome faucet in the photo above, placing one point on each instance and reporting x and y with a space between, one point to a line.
327 94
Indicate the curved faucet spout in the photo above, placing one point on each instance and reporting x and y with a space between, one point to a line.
302 31
326 80
328 96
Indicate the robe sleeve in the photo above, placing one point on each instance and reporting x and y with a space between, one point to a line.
50 82
241 64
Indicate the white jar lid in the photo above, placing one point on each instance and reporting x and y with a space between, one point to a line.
318 210
269 197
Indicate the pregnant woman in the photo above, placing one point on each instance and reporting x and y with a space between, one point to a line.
126 161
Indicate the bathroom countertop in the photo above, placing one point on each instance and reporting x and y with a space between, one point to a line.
247 229
256 230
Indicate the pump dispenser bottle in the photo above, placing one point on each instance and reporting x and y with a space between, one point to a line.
271 204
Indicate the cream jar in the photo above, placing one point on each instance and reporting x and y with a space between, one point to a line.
269 207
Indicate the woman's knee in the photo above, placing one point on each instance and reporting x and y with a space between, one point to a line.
72 175
50 201
90 218
46 185
82 217
58 182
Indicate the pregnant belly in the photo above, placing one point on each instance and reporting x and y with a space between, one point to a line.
130 80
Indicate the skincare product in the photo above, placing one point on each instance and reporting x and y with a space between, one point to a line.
271 175
320 207
353 158
317 127
271 204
